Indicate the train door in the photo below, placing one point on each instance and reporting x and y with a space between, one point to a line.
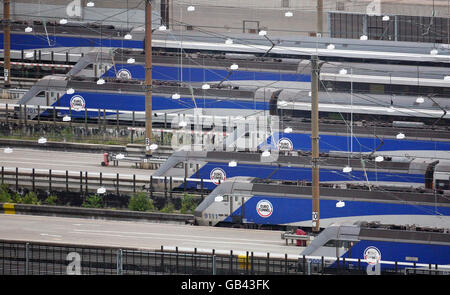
429 175
100 70
191 170
237 202
273 103
54 97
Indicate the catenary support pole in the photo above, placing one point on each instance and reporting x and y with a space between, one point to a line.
7 47
320 18
315 141
148 76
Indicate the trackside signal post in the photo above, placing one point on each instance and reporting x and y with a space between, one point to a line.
148 77
315 141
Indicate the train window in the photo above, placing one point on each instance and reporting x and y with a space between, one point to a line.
339 244
179 165
191 165
41 94
330 243
442 184
377 88
225 199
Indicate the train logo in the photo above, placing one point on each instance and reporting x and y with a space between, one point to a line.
218 176
77 103
372 255
285 145
264 208
124 74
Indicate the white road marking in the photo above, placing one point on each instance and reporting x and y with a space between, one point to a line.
183 241
173 236
49 235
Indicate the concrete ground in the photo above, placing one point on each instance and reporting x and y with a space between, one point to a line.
143 235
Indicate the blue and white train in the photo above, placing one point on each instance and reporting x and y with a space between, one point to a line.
125 99
233 70
220 166
256 203
84 98
83 37
375 248
52 44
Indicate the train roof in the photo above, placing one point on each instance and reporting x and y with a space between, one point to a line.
443 166
291 46
329 71
376 129
303 159
84 29
413 75
114 85
218 60
367 103
349 49
392 70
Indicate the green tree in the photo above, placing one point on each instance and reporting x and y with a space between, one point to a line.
16 198
51 200
140 202
188 204
31 198
93 201
169 208
67 133
5 196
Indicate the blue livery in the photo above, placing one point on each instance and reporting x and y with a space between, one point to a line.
372 248
300 173
31 41
295 210
329 143
398 251
198 74
129 102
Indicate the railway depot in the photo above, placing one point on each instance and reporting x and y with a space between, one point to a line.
282 137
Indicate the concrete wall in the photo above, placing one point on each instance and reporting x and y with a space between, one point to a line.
111 13
105 214
229 16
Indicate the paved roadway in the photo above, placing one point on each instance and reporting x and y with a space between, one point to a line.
142 235
120 233
59 160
